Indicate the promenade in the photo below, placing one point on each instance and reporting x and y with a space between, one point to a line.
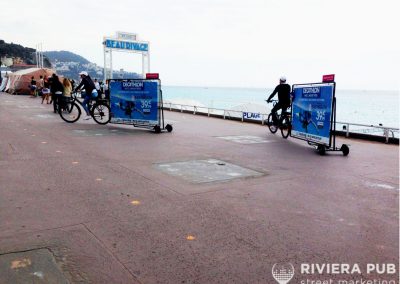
214 201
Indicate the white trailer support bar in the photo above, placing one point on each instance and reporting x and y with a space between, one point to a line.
125 42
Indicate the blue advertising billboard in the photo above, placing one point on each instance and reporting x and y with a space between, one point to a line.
312 112
135 101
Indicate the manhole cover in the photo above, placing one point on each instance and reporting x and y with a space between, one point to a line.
199 171
45 115
245 139
29 106
35 266
101 132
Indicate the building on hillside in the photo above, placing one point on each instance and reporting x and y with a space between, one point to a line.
7 61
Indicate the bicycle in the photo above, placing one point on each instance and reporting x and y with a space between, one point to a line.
284 118
70 111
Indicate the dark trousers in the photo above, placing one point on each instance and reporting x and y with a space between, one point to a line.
277 107
56 100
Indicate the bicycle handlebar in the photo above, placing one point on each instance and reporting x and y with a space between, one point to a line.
274 102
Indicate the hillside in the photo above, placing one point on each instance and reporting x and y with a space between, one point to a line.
69 64
65 63
26 54
65 56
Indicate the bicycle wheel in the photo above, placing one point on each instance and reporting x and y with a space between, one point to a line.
69 111
101 113
285 126
272 127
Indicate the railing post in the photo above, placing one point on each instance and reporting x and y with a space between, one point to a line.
181 108
208 111
224 114
347 130
386 133
194 109
242 116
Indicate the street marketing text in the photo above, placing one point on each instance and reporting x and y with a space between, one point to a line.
134 101
312 110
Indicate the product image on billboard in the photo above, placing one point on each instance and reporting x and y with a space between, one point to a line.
134 101
311 112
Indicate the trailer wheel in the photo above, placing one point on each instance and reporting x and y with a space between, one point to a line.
321 150
168 127
157 129
345 149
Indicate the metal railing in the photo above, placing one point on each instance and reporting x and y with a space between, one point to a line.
387 132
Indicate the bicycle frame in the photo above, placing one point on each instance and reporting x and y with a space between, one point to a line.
91 102
281 112
283 121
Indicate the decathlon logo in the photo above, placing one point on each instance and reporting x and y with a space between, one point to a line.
132 85
283 272
311 92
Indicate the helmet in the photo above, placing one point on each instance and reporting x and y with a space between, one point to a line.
83 73
282 79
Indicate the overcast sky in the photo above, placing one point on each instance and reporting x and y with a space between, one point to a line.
225 43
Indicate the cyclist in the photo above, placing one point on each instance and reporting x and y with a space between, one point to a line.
90 91
283 91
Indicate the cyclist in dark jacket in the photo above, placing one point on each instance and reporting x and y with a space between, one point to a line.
283 91
90 90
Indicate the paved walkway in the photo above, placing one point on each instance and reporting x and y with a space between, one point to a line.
212 202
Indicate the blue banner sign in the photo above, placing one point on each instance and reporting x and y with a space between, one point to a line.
312 112
251 115
135 101
126 45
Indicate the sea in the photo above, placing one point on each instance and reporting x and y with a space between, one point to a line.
352 106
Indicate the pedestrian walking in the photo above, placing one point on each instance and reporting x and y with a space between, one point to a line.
46 90
33 87
56 89
67 87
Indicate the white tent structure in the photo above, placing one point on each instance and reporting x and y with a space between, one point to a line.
19 82
4 77
3 84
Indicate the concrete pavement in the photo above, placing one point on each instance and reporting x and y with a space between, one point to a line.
212 202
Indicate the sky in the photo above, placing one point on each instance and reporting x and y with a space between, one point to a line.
225 43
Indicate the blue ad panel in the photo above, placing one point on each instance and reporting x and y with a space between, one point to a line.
311 112
134 101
